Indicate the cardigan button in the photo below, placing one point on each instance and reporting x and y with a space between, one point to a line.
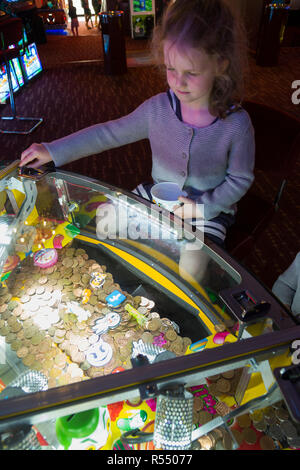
182 173
184 155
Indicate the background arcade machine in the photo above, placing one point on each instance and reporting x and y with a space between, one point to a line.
142 14
19 64
27 11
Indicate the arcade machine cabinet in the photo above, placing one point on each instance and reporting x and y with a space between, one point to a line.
106 338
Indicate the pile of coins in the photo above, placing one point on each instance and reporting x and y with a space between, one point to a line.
277 425
218 439
268 428
37 322
225 383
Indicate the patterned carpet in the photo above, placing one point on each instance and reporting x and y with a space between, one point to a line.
70 96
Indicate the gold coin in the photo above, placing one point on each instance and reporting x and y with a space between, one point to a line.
60 360
16 327
171 334
29 332
37 339
3 308
48 364
206 442
55 372
76 278
77 357
10 337
5 315
16 344
22 352
4 331
244 421
256 416
29 360
63 380
67 262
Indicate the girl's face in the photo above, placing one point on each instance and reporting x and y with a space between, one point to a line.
190 75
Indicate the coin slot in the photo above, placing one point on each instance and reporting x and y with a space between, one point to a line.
245 299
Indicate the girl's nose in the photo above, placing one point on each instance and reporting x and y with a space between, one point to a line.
180 80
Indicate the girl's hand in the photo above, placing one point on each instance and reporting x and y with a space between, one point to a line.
37 154
189 210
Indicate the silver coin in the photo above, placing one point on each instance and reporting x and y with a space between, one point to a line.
288 429
294 442
275 432
260 426
282 414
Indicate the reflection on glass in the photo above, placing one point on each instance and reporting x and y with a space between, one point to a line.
95 278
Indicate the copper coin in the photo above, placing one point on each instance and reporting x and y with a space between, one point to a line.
267 443
198 403
229 374
249 436
222 408
204 417
22 352
227 441
214 378
223 385
238 436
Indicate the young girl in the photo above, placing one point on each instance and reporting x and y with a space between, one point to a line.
74 19
200 136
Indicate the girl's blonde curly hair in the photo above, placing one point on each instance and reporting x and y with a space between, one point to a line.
212 26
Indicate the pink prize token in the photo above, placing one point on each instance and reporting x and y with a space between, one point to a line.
159 340
45 258
219 338
57 241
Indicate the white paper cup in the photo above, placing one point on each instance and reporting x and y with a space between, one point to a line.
166 195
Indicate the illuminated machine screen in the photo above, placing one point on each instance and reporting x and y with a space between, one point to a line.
142 5
15 65
31 61
4 87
